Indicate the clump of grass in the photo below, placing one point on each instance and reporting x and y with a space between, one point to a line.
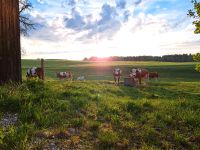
16 138
106 135
108 139
181 139
77 122
151 136
93 124
134 108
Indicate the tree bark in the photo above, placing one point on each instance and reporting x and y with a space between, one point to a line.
10 55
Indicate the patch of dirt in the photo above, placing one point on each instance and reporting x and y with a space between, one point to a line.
8 119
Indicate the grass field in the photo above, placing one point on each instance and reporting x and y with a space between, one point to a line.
95 114
103 70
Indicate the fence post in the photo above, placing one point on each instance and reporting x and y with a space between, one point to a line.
42 66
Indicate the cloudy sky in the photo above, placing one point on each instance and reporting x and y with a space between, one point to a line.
74 29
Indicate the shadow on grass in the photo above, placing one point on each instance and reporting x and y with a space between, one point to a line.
158 91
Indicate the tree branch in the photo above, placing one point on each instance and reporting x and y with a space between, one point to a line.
25 23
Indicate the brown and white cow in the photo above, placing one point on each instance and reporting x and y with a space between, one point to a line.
117 73
139 74
34 72
65 75
153 75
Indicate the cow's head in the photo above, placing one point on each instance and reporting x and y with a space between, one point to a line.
117 71
133 72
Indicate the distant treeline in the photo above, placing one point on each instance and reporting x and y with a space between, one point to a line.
165 58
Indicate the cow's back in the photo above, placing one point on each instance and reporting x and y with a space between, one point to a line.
143 73
31 71
153 75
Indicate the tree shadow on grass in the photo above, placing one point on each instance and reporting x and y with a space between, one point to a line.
158 91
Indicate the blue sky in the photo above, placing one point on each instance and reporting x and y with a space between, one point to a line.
74 29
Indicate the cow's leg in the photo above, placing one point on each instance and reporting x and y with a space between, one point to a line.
118 80
136 81
39 75
28 78
140 80
71 78
148 77
145 80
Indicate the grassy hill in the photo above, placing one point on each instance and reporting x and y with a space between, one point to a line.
95 114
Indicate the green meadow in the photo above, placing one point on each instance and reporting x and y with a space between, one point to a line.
168 71
96 114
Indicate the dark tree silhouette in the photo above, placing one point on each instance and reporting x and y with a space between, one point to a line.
12 19
10 55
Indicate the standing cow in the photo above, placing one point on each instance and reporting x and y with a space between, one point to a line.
153 75
34 72
140 74
117 73
65 75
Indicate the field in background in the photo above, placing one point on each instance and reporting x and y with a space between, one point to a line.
103 70
95 114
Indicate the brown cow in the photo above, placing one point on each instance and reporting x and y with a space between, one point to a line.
139 74
117 73
153 75
34 72
65 75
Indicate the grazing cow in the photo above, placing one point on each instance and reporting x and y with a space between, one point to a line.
153 75
81 78
117 73
139 74
65 75
34 72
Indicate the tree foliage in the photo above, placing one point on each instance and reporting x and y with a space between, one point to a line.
25 23
197 58
195 14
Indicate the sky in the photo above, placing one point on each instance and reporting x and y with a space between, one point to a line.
74 29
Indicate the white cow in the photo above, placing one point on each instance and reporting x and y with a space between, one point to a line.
34 72
65 75
117 73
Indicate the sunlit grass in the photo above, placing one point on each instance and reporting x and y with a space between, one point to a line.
162 115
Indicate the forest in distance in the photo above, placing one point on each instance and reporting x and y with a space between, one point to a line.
164 58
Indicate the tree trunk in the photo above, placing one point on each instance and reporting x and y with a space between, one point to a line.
10 55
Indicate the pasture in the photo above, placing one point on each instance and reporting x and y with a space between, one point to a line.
95 114
168 71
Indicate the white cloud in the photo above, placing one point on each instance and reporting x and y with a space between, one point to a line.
41 1
143 33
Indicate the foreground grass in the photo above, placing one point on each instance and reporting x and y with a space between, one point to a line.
99 115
